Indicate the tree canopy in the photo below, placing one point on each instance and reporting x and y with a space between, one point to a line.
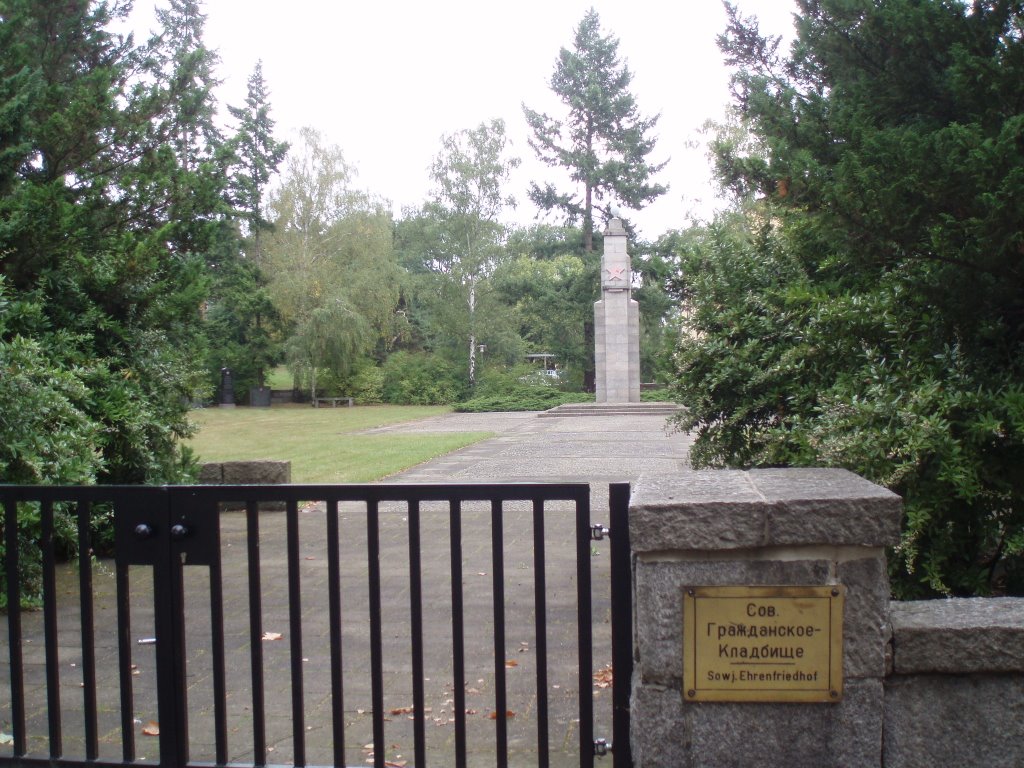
95 297
866 306
329 262
459 239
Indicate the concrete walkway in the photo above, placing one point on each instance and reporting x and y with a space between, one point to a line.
592 449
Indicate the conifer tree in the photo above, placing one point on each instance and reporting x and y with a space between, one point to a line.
603 142
200 213
94 298
866 307
257 155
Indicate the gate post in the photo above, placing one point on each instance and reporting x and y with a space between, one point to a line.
622 622
143 520
800 528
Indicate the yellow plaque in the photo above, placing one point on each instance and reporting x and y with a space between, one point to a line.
763 643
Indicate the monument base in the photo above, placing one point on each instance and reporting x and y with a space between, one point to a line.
611 409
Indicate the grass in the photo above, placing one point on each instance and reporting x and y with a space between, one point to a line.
324 444
279 378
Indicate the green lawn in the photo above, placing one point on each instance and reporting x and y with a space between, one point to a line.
321 443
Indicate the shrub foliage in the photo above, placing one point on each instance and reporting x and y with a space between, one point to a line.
866 310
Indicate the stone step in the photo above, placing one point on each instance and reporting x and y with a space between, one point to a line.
611 409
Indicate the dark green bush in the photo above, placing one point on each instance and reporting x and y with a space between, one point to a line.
367 385
779 371
422 379
518 389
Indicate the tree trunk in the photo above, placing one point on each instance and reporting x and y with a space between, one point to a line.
588 203
472 333
588 221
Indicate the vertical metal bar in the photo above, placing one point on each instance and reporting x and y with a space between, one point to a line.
458 633
50 631
220 689
541 640
334 610
416 620
498 581
124 661
376 661
295 634
14 626
92 747
622 623
169 622
259 714
584 628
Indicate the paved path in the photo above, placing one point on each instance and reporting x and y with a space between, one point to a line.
594 449
528 448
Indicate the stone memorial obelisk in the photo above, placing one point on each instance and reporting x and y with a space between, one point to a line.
616 324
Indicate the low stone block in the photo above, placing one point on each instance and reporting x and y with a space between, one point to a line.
257 472
695 510
827 506
671 733
729 509
247 473
866 618
211 474
657 717
959 635
940 720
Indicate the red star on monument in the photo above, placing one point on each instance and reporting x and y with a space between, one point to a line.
615 273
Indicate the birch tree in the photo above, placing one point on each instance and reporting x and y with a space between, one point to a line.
466 204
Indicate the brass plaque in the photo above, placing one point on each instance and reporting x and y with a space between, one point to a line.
763 643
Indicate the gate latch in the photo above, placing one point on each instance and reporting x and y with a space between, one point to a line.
601 747
598 532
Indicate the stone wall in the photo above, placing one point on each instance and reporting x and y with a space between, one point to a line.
955 691
247 473
921 680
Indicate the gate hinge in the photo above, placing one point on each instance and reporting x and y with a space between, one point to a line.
601 747
598 532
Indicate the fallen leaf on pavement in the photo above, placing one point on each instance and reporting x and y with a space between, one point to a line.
604 677
272 635
152 728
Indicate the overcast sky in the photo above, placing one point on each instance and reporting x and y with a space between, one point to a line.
385 80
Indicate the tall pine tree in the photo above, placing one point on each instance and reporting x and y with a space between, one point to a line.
241 318
201 214
603 142
257 156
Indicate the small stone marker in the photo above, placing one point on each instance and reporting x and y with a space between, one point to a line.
766 644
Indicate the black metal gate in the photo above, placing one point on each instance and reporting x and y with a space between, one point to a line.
396 625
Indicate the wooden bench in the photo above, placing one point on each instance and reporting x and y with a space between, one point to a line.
333 401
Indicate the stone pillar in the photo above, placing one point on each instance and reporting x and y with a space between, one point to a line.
616 324
797 527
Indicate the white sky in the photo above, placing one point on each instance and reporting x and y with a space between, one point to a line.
385 80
